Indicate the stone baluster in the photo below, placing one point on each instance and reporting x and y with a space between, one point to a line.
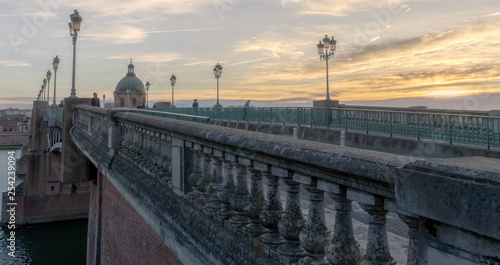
414 238
254 206
343 249
215 184
156 169
272 211
146 152
125 141
377 246
291 223
206 176
227 189
141 150
196 173
315 235
135 144
163 158
166 155
239 200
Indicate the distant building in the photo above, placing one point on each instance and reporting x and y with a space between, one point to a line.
130 91
11 112
14 120
8 125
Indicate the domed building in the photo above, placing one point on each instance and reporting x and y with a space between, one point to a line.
130 91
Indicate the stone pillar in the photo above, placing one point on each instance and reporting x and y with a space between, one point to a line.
377 246
178 179
74 164
414 238
165 158
272 211
115 132
239 199
315 235
254 205
291 223
343 249
215 184
206 177
195 176
227 189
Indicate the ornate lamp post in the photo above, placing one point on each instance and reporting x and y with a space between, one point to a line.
103 100
74 28
147 93
49 74
173 79
43 88
217 74
55 65
326 50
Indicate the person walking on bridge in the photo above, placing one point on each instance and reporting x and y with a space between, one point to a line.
95 101
245 109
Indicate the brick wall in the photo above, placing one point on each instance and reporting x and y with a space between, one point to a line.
125 237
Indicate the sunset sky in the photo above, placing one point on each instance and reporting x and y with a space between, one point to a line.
394 53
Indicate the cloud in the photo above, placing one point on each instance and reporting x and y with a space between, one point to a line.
142 8
14 63
148 57
117 34
182 30
317 7
467 34
271 47
493 14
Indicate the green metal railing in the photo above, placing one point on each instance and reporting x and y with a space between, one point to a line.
178 116
452 128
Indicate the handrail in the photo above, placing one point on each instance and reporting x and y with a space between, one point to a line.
453 128
178 116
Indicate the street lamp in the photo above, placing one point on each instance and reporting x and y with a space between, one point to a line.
326 50
147 93
55 65
43 88
104 100
74 28
40 94
173 79
217 74
48 85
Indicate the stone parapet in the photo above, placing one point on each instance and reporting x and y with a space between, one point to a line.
185 196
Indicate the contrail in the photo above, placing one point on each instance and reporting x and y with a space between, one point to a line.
251 61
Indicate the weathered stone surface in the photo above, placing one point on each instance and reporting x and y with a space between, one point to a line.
371 178
194 237
465 197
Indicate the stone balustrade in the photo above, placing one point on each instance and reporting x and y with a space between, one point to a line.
234 178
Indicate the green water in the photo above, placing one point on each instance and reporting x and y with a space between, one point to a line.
58 243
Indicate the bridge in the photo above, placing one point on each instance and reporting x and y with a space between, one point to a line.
269 185
173 189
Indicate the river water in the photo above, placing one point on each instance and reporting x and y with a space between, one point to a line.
57 243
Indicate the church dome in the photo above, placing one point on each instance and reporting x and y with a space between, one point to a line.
130 81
